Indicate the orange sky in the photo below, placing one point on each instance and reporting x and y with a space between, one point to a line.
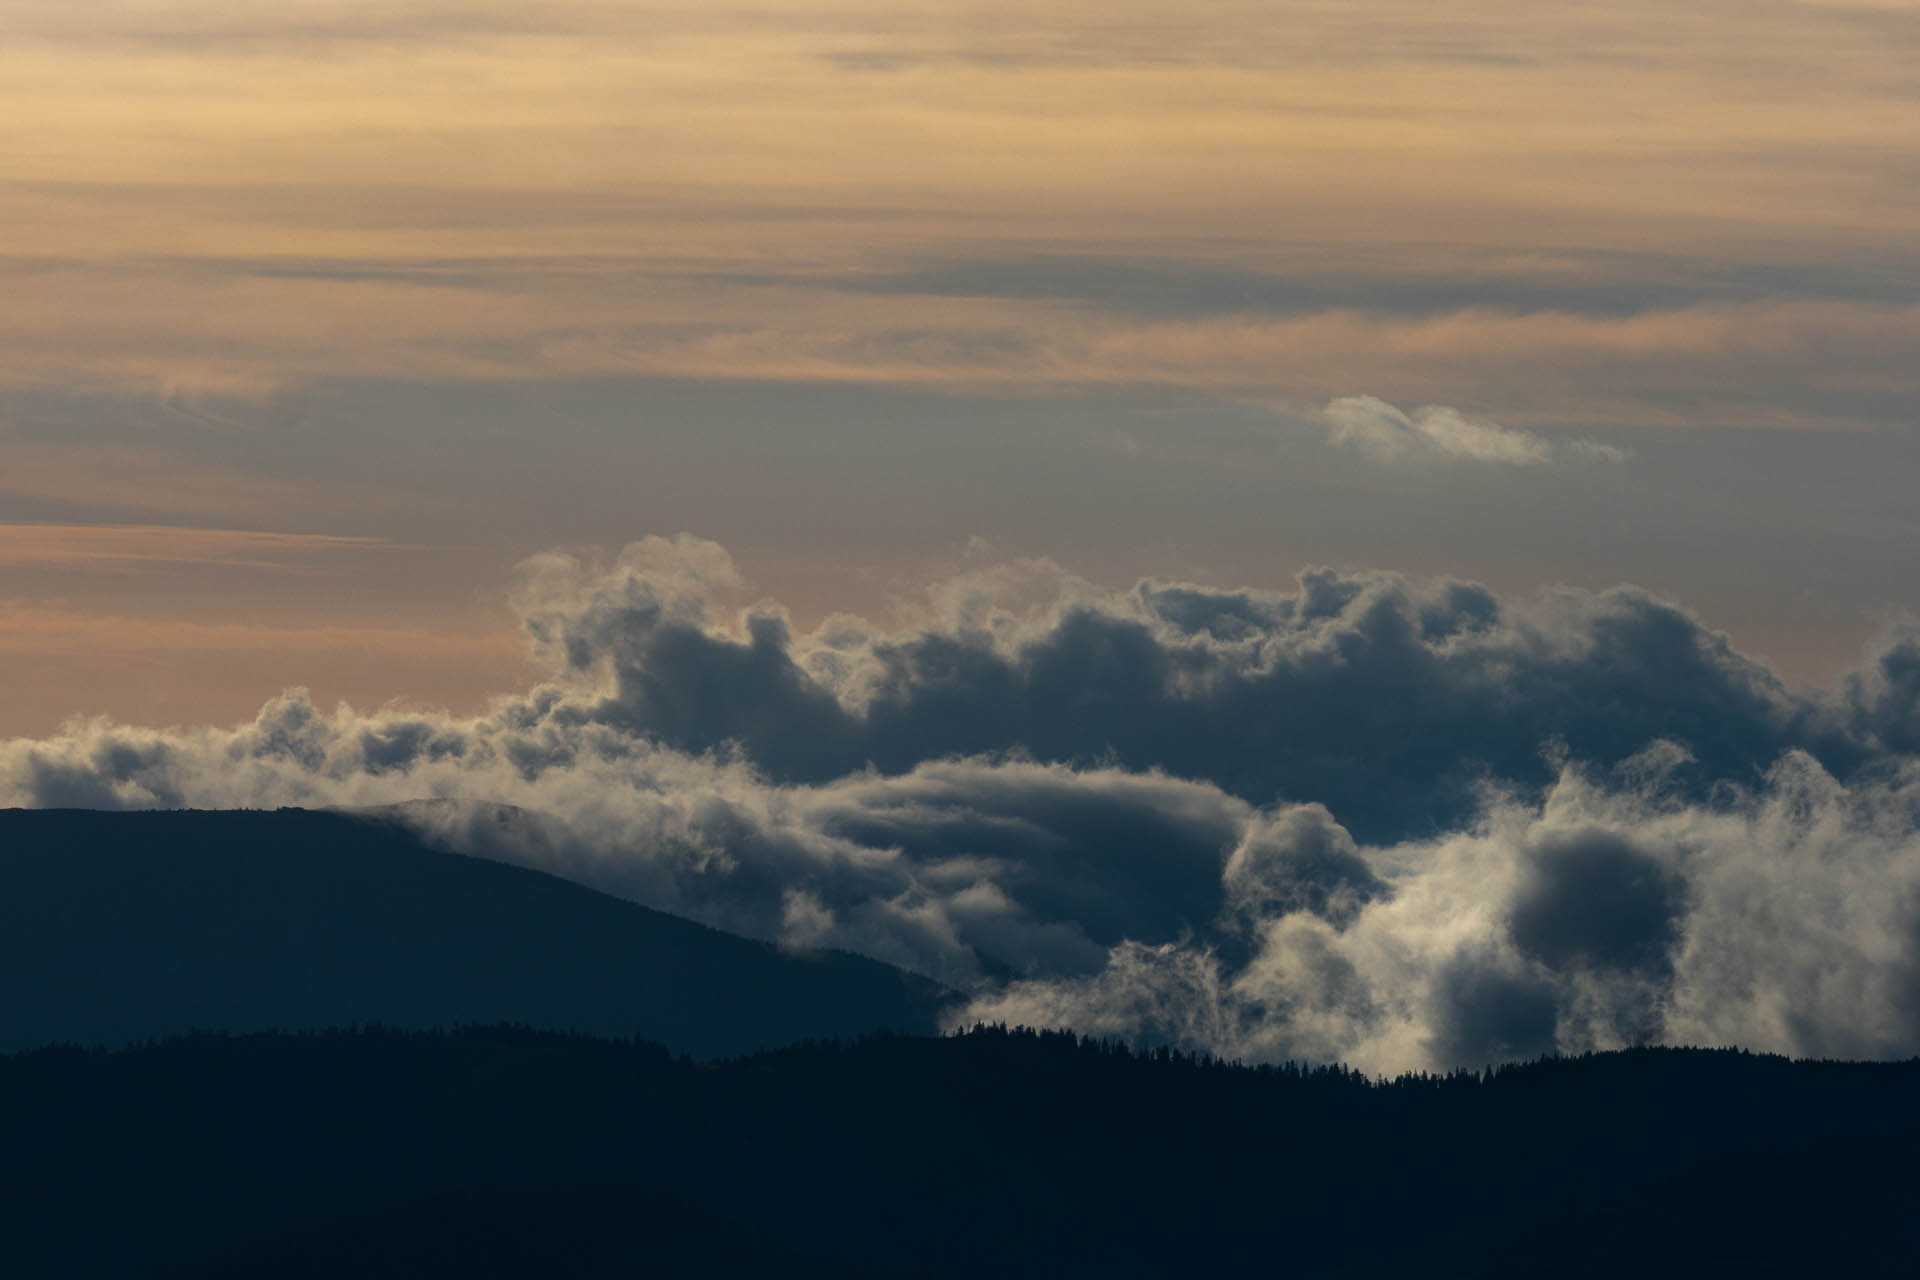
1630 219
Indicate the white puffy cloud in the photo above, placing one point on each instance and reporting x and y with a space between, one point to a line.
1389 435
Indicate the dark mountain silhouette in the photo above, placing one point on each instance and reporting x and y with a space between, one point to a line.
575 1231
992 1154
120 926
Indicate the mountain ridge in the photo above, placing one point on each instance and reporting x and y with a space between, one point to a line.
122 926
994 1152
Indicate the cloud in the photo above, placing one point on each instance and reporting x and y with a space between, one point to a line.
1613 284
1386 434
958 869
1595 917
27 629
1592 898
1396 825
128 547
810 225
1388 702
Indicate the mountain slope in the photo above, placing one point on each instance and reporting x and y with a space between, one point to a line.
121 926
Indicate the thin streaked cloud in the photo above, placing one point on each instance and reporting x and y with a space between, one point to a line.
857 193
133 547
29 629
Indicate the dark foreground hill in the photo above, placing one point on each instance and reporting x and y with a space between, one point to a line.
120 926
506 1152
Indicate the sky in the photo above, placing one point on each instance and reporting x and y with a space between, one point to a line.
866 292
439 358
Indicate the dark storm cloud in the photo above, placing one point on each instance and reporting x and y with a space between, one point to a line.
1483 1013
1384 700
1594 899
1884 700
1300 860
1598 917
1393 824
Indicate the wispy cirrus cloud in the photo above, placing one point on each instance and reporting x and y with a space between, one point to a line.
1123 163
130 547
27 629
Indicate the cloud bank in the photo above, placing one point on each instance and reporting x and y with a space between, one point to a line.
1396 824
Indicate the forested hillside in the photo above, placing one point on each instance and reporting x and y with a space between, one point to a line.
375 1152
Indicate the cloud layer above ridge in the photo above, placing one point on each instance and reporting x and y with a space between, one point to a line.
1397 824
